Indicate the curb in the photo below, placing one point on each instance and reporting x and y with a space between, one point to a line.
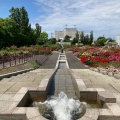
15 73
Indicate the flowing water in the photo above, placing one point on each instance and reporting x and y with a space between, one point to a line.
61 108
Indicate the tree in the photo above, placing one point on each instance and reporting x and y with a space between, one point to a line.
43 38
67 38
6 32
74 41
77 36
91 38
37 30
21 28
82 36
52 41
86 40
20 16
101 41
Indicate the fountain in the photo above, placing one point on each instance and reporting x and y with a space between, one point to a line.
64 105
61 108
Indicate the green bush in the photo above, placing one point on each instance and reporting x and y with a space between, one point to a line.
6 54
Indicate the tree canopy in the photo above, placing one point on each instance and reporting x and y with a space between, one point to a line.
101 41
43 38
86 39
16 29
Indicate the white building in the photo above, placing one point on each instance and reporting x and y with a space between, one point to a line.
67 31
118 39
59 35
70 32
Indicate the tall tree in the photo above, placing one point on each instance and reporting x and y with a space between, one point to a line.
77 36
24 20
21 28
20 16
37 30
43 38
82 36
91 38
86 40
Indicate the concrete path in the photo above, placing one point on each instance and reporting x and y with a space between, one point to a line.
73 62
50 63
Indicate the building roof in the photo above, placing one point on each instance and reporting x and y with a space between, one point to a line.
70 29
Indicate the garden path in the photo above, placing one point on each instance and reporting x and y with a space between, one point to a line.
73 62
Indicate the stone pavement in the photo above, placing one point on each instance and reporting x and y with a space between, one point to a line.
10 86
94 79
73 62
51 62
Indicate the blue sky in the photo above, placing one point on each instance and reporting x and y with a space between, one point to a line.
101 16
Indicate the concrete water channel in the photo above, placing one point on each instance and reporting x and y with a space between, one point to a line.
61 79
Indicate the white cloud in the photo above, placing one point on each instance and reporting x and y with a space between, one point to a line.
101 16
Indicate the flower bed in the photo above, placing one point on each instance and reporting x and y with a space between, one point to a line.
98 56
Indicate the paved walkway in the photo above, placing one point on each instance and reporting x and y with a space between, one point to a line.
73 62
50 63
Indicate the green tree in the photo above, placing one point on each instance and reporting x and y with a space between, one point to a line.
82 36
86 40
101 41
52 41
91 38
24 20
77 36
6 32
43 38
20 16
67 38
21 28
74 41
37 30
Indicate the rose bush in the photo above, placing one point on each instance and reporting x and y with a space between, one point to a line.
98 56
